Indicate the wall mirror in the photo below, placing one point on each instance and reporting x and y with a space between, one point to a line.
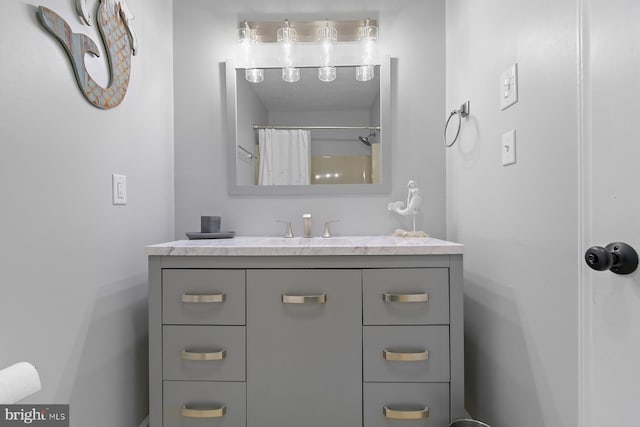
308 137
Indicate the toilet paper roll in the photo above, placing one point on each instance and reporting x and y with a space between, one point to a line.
17 382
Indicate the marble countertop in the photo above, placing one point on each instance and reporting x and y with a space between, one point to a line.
280 246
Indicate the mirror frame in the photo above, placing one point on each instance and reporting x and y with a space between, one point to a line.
280 190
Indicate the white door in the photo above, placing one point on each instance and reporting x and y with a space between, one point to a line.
611 320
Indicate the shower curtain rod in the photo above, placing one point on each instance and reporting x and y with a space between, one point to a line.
316 127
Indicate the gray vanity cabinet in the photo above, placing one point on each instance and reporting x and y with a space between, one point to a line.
304 348
306 341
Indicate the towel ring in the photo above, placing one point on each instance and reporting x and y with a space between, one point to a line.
462 112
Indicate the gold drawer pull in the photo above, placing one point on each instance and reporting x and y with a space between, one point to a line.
405 356
203 298
304 299
396 414
193 355
203 413
419 297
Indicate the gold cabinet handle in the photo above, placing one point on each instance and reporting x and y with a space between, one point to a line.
405 356
304 299
396 414
419 297
203 413
193 355
203 298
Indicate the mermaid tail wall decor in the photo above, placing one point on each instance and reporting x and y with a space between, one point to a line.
120 42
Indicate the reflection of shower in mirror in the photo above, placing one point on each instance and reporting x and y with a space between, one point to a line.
366 140
345 118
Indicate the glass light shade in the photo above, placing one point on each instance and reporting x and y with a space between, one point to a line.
247 44
365 73
254 75
328 37
286 37
247 60
244 33
368 36
290 74
327 74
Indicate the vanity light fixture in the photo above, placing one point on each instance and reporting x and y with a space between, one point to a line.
322 45
328 37
286 37
368 37
247 40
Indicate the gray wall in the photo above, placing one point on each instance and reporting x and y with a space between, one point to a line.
519 224
72 265
205 36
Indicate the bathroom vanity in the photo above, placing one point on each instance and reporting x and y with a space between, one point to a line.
275 332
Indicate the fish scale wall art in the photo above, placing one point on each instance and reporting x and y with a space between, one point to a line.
113 18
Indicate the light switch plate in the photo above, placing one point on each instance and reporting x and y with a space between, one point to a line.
509 87
119 189
509 148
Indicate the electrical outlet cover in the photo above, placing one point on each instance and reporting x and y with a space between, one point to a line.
119 189
509 148
509 87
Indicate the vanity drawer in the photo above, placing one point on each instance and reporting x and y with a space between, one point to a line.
203 353
420 404
203 297
412 296
406 353
203 403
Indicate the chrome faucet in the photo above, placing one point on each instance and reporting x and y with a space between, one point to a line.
307 225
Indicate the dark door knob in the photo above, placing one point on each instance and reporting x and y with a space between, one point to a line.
618 257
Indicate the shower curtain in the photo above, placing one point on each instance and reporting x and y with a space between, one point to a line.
285 157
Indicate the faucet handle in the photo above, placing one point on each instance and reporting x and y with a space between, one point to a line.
327 232
289 232
308 230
